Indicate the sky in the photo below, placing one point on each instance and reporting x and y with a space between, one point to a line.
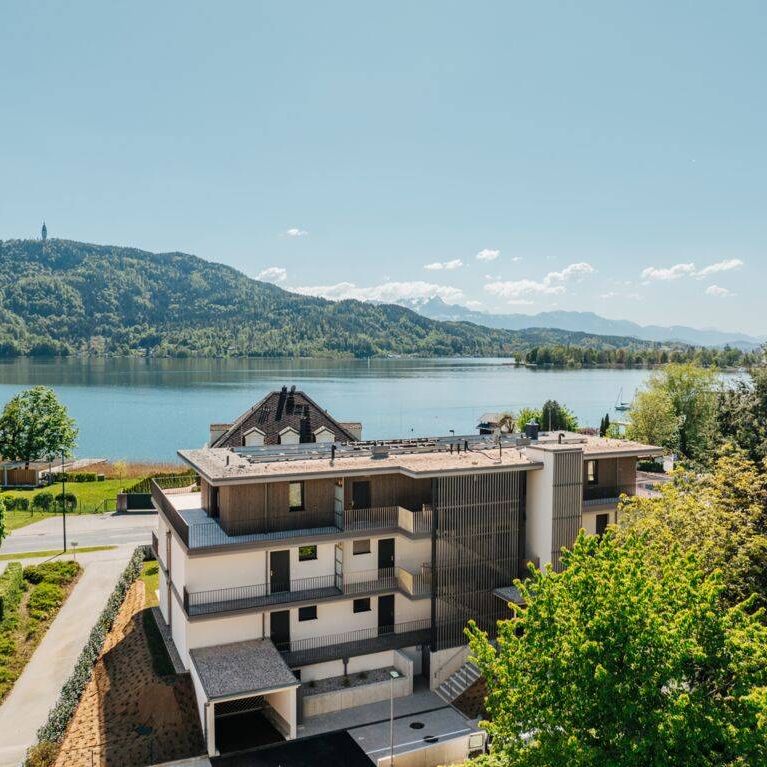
507 156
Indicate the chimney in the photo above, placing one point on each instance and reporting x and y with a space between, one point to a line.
217 430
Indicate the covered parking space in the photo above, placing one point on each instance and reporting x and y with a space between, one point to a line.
246 695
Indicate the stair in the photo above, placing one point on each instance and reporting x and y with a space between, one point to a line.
460 681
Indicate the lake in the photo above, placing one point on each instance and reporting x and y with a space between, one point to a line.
148 408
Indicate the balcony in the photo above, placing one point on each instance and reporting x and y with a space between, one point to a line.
376 639
352 584
595 495
180 503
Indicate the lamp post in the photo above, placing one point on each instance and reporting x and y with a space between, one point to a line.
63 501
393 674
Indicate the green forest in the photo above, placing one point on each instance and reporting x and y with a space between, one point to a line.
61 297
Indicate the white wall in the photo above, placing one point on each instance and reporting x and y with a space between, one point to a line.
163 594
284 703
225 570
312 568
589 519
540 498
178 630
410 609
177 564
223 630
254 438
407 553
363 663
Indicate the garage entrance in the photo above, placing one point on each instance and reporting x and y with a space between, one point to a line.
244 723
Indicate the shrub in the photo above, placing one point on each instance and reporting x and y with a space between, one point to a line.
22 504
44 600
67 500
42 754
60 572
58 718
11 589
43 501
9 501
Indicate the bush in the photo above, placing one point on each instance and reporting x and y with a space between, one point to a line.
59 572
11 589
44 600
67 500
22 504
54 728
42 754
43 501
9 501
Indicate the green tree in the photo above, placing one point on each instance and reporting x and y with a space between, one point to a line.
741 414
2 520
527 415
35 425
720 515
604 425
626 660
556 417
678 406
507 422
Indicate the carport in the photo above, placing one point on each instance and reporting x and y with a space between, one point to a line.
246 695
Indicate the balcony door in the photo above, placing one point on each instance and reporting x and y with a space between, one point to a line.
361 494
386 614
385 557
279 571
279 627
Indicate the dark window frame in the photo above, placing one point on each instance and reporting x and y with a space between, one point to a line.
302 506
361 600
605 517
302 611
362 553
595 464
302 558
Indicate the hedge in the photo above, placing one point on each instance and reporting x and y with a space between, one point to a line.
61 714
11 589
79 476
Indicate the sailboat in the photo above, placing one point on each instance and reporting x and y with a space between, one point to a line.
620 404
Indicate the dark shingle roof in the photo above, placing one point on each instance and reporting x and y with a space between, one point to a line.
278 411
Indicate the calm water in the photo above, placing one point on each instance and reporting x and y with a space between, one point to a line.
138 408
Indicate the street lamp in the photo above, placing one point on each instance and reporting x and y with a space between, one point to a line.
393 674
63 501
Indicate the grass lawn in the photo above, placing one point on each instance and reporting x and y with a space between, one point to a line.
32 602
54 553
150 574
90 495
16 519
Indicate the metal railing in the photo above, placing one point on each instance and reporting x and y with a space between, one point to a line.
319 587
169 511
377 638
414 584
596 494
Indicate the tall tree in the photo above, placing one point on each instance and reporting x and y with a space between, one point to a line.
626 660
555 417
676 410
741 414
34 425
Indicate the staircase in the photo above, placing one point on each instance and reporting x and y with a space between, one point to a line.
458 682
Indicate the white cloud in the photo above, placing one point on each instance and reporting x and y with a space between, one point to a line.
387 292
488 255
296 232
671 273
437 266
473 305
690 270
721 266
515 259
715 290
273 274
554 283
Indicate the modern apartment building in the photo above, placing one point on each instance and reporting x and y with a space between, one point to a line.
289 568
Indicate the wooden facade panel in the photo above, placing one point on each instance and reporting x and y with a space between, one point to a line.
627 472
392 490
607 472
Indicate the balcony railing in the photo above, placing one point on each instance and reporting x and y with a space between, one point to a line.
362 641
593 495
300 590
155 546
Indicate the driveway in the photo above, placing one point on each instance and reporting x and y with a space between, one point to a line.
37 689
86 529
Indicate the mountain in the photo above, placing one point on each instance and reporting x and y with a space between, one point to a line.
586 322
63 297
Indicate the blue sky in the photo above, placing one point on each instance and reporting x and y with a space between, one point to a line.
604 156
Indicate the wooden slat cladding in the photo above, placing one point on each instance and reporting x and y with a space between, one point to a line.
479 531
392 490
566 501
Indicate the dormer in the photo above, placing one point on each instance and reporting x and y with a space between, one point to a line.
253 437
323 434
289 436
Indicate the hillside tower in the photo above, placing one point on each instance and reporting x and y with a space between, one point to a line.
44 232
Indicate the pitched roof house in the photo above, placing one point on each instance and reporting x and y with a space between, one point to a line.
285 417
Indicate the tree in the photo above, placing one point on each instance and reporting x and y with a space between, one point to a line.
2 520
34 425
506 422
741 414
721 516
678 406
527 415
604 425
556 417
625 660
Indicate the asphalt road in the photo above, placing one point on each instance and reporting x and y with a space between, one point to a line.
85 529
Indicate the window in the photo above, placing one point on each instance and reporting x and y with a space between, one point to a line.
592 475
306 553
307 613
361 547
296 496
603 520
362 605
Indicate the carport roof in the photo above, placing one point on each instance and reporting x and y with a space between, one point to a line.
241 668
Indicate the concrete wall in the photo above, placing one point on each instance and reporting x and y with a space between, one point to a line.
538 533
218 571
444 663
349 697
446 752
223 630
284 703
589 519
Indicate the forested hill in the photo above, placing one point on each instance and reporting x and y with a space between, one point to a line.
64 297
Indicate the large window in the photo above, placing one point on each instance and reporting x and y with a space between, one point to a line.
296 496
592 474
307 613
361 547
307 553
362 605
603 520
